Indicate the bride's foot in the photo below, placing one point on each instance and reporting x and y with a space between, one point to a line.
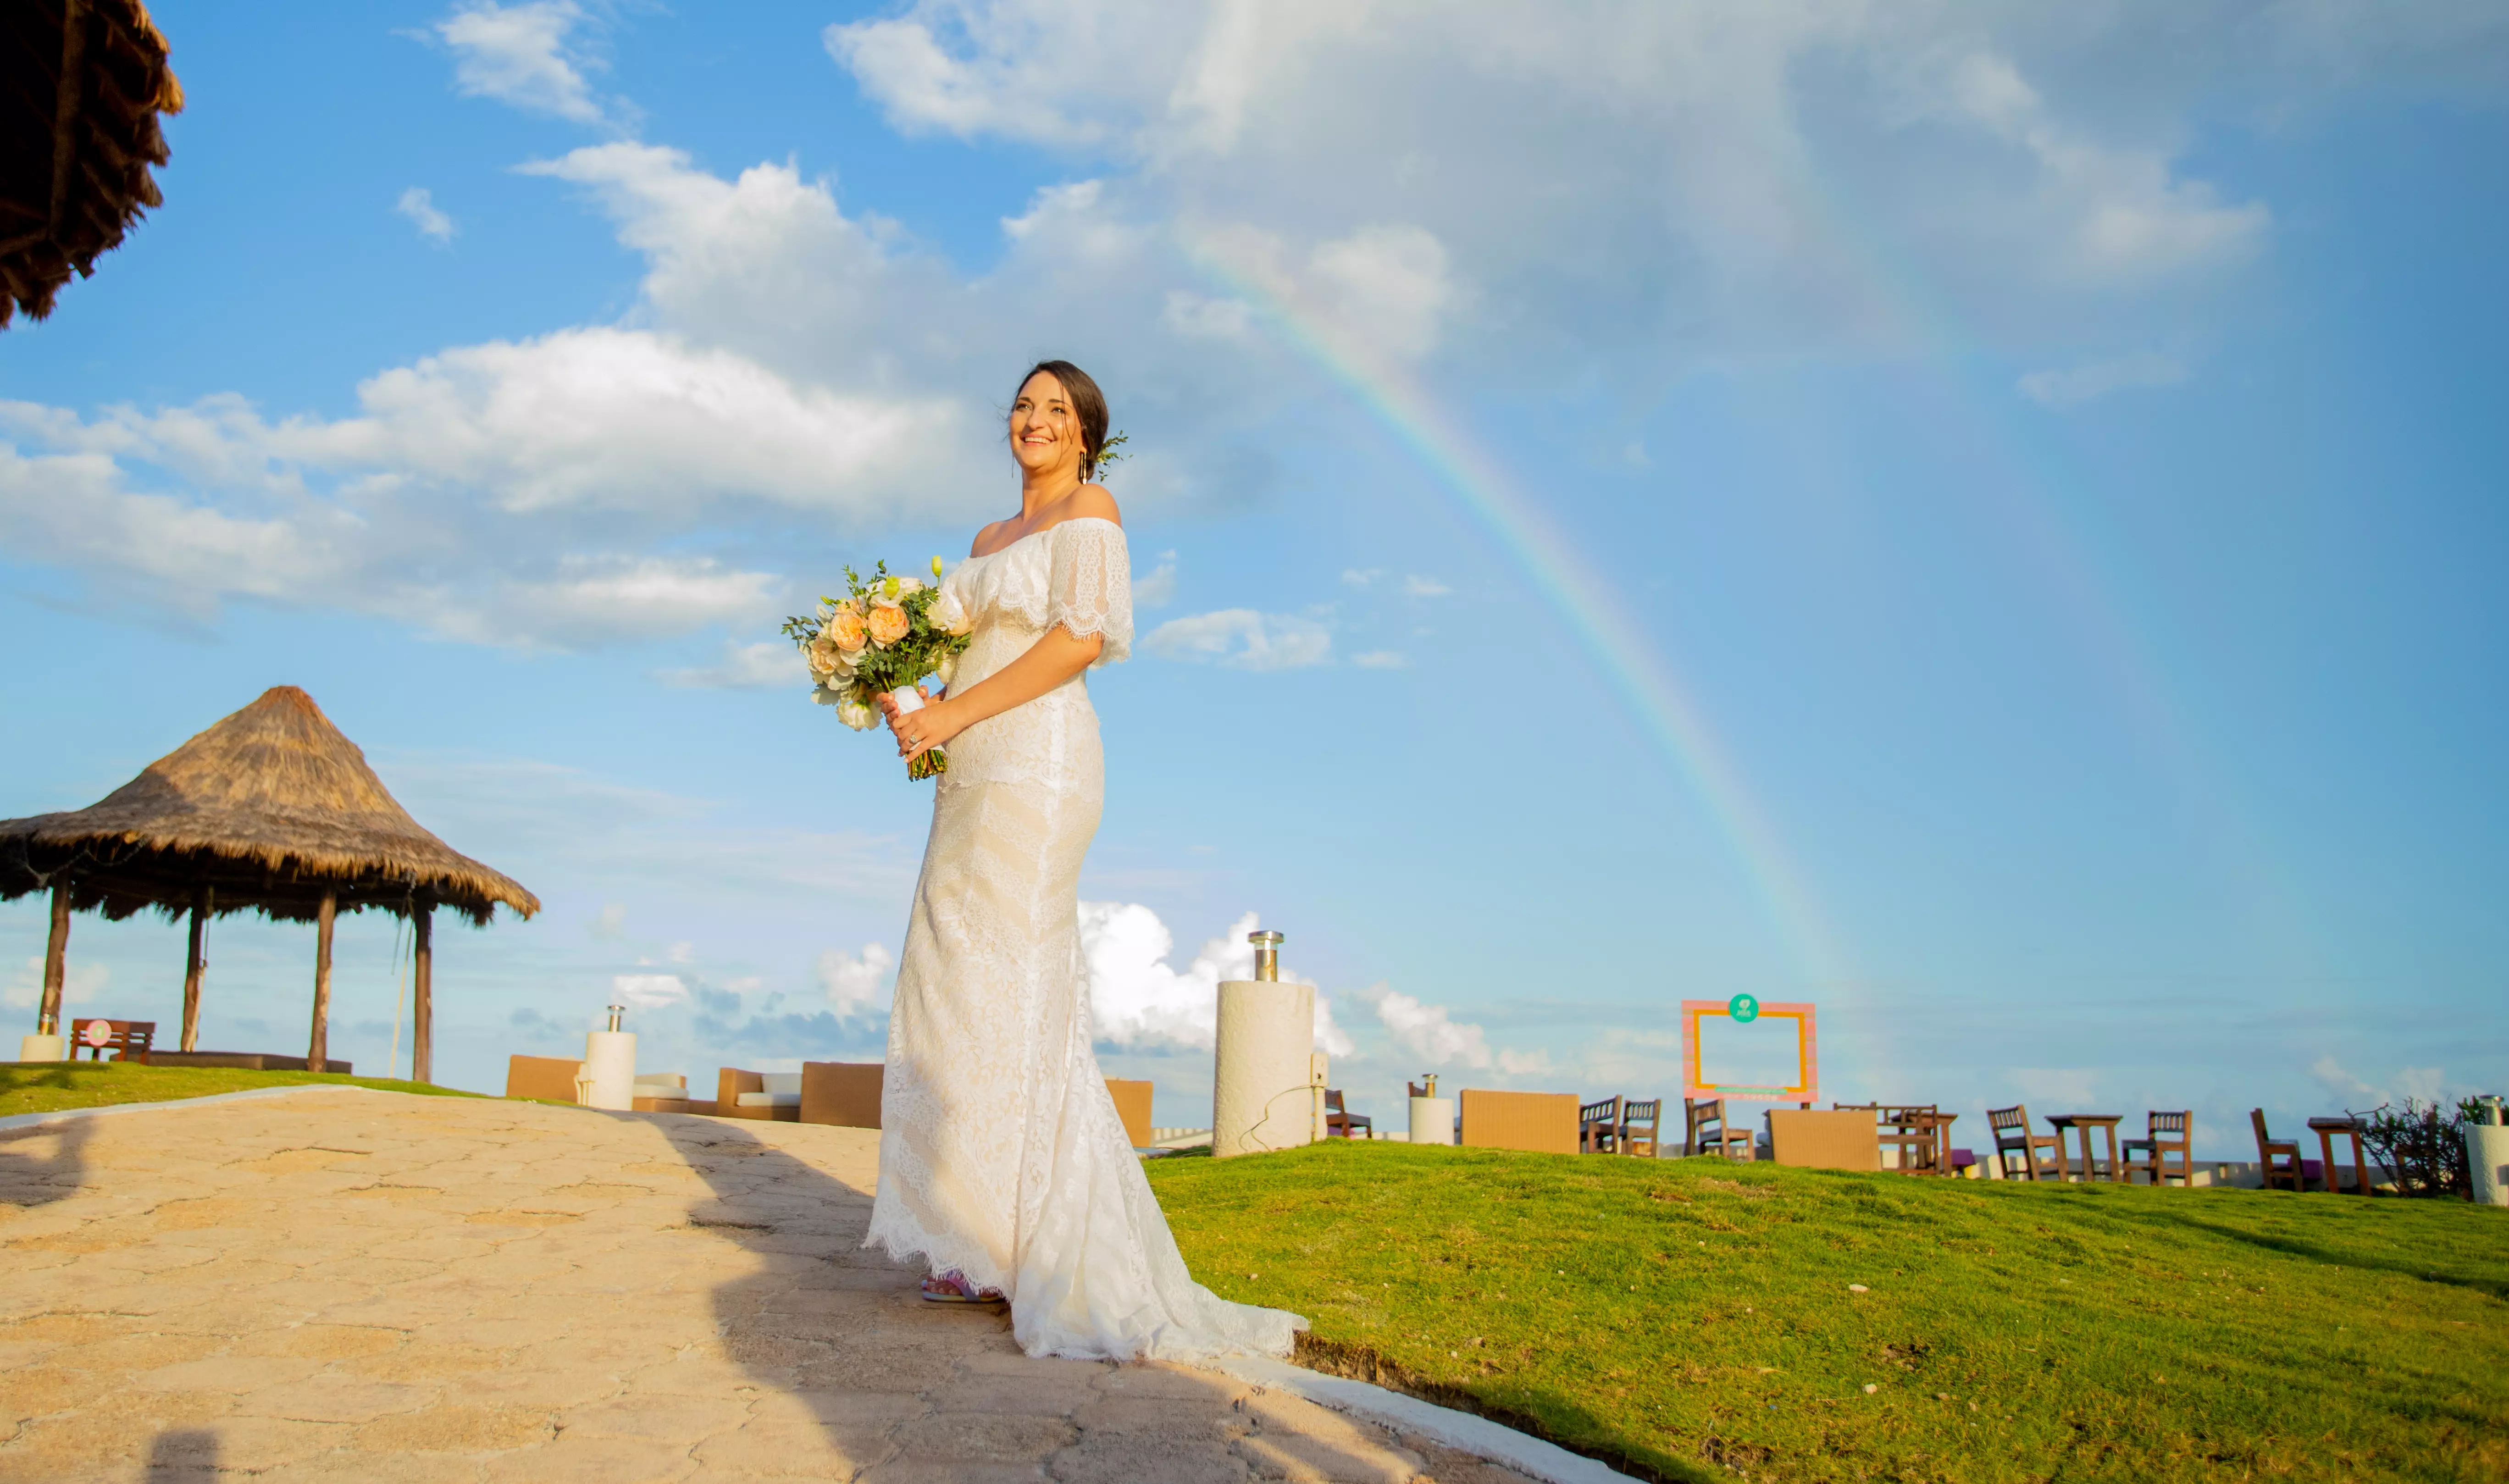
953 1287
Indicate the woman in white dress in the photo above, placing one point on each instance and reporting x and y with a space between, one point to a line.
1002 1162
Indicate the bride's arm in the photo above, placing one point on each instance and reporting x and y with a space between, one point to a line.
1057 655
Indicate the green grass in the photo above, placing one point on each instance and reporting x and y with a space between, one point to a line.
1692 1320
48 1087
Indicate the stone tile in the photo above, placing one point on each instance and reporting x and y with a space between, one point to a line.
229 1374
332 1397
687 1419
777 1449
593 1460
458 1429
1098 1461
1171 1418
984 1437
1448 1467
1040 1395
910 1468
1352 1460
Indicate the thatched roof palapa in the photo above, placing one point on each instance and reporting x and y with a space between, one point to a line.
273 807
82 82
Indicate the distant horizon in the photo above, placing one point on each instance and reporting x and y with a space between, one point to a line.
1974 520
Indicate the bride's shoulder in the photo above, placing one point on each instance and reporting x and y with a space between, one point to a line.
1091 501
984 538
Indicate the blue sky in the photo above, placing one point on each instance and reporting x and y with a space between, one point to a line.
1985 522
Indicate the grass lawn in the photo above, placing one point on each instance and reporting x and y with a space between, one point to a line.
1694 1319
48 1087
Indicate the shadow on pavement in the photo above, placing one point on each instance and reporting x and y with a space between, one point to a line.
902 1388
41 1164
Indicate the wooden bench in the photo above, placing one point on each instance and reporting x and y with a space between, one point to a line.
128 1040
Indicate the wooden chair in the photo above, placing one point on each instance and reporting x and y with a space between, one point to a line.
2279 1158
1339 1122
1638 1121
1704 1125
2011 1130
1598 1126
2165 1134
1911 1130
128 1040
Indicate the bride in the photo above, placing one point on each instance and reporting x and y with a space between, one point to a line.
1002 1162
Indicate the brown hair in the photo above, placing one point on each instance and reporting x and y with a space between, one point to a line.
1088 404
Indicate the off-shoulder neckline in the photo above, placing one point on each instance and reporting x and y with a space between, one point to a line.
1033 535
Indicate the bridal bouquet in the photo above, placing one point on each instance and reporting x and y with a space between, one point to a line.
886 636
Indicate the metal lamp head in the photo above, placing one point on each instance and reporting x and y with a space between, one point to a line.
1267 956
615 1011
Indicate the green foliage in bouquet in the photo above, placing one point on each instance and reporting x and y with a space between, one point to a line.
885 637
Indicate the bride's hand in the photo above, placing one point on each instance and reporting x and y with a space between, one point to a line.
920 731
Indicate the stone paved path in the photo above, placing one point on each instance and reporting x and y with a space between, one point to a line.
369 1287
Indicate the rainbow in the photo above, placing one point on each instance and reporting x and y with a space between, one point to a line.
1642 679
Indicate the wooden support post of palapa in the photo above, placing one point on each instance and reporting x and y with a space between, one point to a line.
319 1053
422 1055
205 899
57 950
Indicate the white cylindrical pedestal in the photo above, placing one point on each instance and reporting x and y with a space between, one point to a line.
610 1061
1260 1088
42 1048
1432 1119
2486 1159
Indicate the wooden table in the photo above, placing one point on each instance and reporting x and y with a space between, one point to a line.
1915 1133
2083 1123
2327 1129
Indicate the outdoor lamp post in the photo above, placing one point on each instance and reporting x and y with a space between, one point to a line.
1263 1093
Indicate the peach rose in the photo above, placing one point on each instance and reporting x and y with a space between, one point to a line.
845 627
888 625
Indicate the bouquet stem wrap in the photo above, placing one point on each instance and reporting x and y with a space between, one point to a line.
930 763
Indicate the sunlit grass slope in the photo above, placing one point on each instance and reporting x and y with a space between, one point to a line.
48 1087
1691 1318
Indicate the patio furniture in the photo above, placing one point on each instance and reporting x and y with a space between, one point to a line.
2011 1130
2082 1124
1842 1138
842 1094
2327 1129
549 1079
1132 1096
1541 1123
776 1096
2279 1159
1341 1122
1598 1126
1639 1126
659 1093
1915 1130
1704 1125
2165 1134
128 1040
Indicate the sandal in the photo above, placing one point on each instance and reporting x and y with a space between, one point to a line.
953 1287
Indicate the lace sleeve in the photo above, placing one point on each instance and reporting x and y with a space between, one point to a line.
1090 588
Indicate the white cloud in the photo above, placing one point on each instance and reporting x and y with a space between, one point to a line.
80 983
612 923
1158 589
648 991
1380 659
1136 999
2075 1086
1242 638
1418 587
519 55
1427 1033
418 205
2427 1083
858 984
769 664
2074 384
1358 577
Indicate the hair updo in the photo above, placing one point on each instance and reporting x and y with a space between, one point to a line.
1088 404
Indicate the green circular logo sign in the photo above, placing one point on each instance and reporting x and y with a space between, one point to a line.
1743 1009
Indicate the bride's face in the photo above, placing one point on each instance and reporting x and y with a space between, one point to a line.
1045 433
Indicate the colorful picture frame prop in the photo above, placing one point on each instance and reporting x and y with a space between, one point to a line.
1765 1036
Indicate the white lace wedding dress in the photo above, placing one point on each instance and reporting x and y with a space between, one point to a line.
1001 1152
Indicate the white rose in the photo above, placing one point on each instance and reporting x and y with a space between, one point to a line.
857 714
909 585
947 667
948 615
